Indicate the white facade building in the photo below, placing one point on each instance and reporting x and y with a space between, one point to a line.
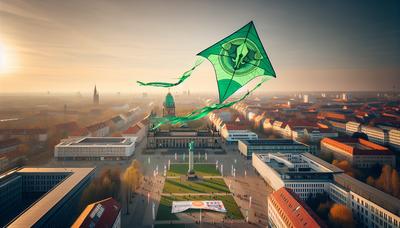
231 136
394 138
295 171
352 127
306 174
95 148
375 134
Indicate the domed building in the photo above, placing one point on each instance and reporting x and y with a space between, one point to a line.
169 105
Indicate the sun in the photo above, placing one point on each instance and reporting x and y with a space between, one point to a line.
5 60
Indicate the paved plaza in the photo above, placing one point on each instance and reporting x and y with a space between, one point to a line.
243 184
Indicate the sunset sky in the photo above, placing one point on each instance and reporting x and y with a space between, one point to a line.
68 46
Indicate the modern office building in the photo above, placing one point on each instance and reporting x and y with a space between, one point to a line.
286 210
300 172
262 146
180 138
95 148
359 152
370 206
233 132
42 197
104 213
306 174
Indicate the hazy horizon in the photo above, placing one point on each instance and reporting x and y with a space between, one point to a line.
69 46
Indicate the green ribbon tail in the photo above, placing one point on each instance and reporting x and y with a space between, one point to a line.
200 113
185 75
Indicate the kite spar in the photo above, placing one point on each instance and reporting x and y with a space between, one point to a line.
237 59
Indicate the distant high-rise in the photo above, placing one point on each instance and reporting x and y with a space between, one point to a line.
305 98
96 96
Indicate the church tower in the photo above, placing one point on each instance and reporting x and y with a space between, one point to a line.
169 105
96 97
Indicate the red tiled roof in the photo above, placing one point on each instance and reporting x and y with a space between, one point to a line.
132 130
300 123
297 213
349 145
332 115
235 126
96 126
99 214
80 132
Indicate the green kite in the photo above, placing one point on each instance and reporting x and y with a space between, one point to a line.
237 59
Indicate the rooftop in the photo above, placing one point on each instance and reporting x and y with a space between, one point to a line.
132 130
297 212
380 198
97 141
169 101
356 146
296 167
99 214
30 216
261 142
96 126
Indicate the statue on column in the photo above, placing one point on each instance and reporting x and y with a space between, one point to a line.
191 173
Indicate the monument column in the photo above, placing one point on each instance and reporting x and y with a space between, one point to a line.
191 166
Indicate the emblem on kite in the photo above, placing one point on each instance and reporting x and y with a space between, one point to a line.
237 59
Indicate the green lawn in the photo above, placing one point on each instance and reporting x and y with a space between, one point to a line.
164 210
209 185
200 169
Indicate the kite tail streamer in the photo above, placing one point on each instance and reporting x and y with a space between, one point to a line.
181 79
200 113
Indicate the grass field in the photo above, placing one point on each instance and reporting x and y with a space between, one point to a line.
200 169
209 185
164 210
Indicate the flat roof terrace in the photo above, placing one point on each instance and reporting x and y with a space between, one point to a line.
296 168
98 141
41 207
261 142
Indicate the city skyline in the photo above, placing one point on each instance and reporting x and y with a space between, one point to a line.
70 46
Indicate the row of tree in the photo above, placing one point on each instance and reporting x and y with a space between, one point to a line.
132 178
334 214
110 183
346 167
388 181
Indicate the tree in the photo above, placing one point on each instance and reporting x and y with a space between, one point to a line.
340 216
383 182
371 181
108 184
345 165
132 178
395 183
